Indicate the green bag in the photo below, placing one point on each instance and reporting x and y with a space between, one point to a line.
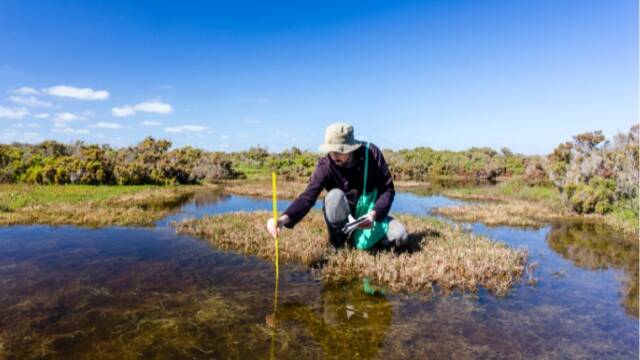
366 238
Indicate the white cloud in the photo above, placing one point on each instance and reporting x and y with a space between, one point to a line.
42 116
21 125
70 131
185 128
31 101
224 137
107 125
61 119
77 93
13 113
26 90
155 107
67 116
123 111
151 123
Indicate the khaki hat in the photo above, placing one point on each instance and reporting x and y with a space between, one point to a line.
338 137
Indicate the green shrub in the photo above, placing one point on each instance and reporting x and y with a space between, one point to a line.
596 196
595 174
149 162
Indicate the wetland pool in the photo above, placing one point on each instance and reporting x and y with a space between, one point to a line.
123 293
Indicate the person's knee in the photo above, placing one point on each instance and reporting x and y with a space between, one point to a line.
333 197
336 207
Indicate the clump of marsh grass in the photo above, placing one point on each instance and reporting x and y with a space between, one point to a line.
509 190
69 205
157 198
448 257
444 255
515 204
244 232
262 188
528 214
512 213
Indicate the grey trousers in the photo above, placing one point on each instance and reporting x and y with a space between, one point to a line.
336 212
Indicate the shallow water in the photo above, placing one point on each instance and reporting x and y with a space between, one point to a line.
68 292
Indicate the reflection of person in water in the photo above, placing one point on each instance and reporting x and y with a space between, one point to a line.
350 322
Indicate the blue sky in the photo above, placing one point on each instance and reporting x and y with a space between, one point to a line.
228 76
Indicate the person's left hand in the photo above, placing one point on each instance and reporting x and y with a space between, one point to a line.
369 222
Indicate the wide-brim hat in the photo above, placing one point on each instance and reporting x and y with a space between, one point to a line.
339 137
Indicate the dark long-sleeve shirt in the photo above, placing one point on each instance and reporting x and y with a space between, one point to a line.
328 175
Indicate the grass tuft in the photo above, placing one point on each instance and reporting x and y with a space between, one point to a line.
88 205
444 255
261 187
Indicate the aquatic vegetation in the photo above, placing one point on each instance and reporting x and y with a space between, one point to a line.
443 255
512 213
514 203
139 293
184 324
88 205
349 321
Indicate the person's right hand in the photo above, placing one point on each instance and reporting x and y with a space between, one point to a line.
274 229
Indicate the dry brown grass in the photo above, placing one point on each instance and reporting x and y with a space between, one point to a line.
527 214
446 256
245 233
403 184
262 188
142 208
512 213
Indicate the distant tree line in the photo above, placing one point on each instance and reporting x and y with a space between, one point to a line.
149 162
424 163
419 164
591 172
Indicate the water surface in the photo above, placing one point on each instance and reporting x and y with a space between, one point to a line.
68 292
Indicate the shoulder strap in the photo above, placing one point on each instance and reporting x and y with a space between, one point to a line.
366 168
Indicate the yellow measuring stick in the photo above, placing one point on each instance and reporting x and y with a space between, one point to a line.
275 294
275 219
